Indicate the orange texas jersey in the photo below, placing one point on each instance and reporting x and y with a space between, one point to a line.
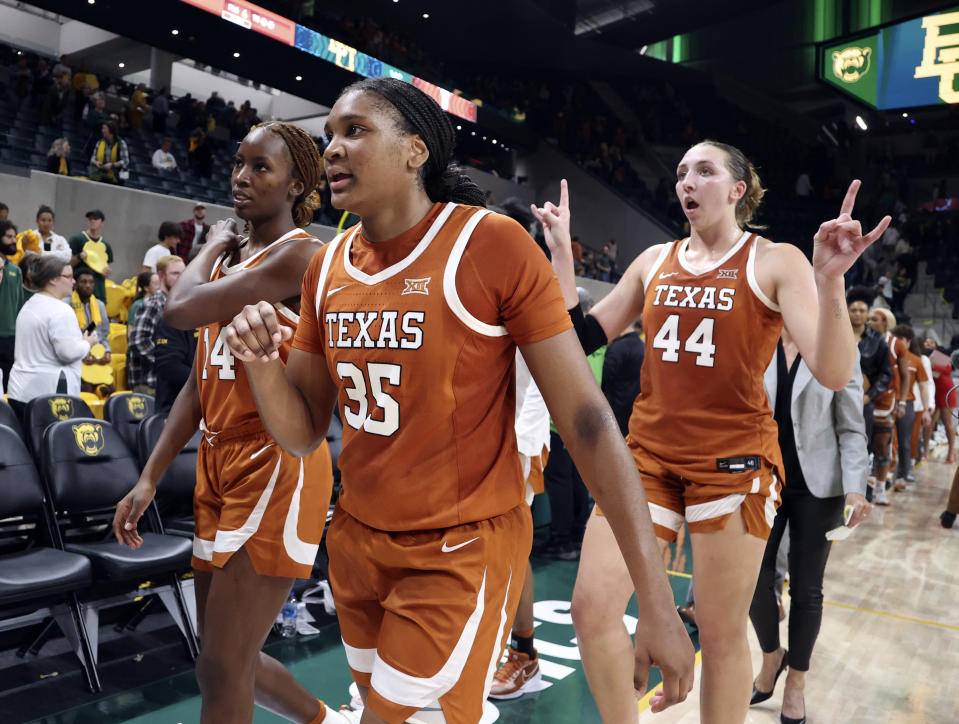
419 333
225 396
710 334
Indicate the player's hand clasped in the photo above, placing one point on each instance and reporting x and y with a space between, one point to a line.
256 333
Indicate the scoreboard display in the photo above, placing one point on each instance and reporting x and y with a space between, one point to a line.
904 65
253 17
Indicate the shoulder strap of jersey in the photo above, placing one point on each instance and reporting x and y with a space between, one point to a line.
449 281
658 264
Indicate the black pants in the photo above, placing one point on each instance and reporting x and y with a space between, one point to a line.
6 359
568 497
809 518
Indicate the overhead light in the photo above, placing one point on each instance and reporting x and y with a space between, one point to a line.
122 65
905 115
642 51
175 31
473 133
459 128
426 16
484 138
299 77
494 141
236 55
861 123
91 2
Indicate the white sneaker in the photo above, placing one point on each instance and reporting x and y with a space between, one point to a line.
356 701
879 495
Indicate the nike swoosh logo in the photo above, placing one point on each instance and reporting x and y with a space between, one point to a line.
447 548
667 275
265 447
334 291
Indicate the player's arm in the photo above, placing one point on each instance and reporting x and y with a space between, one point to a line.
296 403
181 424
813 299
905 376
195 300
622 305
588 428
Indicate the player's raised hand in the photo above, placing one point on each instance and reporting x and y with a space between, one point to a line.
555 221
839 242
665 644
256 334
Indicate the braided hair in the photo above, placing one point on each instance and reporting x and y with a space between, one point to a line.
307 166
420 115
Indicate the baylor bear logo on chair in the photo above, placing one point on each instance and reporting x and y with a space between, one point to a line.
851 64
137 406
61 407
89 437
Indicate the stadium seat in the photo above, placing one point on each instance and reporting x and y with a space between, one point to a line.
119 364
118 338
125 411
47 409
38 582
174 496
89 468
9 418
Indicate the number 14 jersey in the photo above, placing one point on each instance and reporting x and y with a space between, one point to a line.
710 334
226 399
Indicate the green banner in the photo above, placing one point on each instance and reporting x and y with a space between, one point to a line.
853 66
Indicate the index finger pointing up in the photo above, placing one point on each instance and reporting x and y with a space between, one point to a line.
563 195
850 200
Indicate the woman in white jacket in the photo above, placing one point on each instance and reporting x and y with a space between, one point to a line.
49 343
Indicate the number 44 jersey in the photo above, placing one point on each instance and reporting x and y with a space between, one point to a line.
226 399
710 334
419 334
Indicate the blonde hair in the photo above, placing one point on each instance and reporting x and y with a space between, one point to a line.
742 169
164 261
887 315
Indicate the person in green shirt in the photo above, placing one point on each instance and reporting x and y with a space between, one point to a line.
90 243
11 298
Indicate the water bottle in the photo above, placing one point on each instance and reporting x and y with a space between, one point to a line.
288 616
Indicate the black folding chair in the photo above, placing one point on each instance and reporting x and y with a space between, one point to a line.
39 583
88 469
125 411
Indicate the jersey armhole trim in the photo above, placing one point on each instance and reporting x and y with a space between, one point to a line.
751 278
657 265
453 300
324 271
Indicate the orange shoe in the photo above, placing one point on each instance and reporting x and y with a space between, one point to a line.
518 675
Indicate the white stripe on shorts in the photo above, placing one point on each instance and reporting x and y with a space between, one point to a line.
770 507
359 659
420 691
665 517
714 508
203 549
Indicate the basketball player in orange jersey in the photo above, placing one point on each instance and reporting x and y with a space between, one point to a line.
410 323
258 510
702 434
891 405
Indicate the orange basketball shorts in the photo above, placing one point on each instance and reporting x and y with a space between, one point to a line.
706 505
252 494
424 615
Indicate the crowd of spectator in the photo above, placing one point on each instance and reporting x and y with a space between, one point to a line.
75 352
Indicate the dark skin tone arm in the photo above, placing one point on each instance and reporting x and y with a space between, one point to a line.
182 422
195 300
